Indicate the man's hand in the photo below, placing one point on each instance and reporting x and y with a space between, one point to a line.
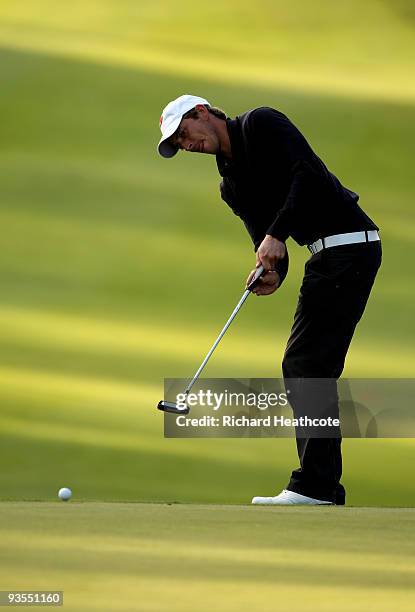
270 251
268 254
267 284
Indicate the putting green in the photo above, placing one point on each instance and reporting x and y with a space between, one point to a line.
168 558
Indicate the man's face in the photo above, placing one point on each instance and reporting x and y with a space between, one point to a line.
197 135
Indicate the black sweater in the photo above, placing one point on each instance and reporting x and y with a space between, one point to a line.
277 185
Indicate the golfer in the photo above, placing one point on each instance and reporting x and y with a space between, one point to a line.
278 186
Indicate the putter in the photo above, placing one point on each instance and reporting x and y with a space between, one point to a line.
173 408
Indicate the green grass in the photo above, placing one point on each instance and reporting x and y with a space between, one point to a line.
348 47
112 259
147 557
119 268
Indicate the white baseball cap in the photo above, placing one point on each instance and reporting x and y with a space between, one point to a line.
170 120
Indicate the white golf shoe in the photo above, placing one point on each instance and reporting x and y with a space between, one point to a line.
290 498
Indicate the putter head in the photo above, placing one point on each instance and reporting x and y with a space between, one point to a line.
172 408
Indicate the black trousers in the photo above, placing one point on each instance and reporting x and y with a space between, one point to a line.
333 295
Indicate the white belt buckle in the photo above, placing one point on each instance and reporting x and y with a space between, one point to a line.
316 246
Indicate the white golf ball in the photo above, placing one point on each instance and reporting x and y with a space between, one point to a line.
64 494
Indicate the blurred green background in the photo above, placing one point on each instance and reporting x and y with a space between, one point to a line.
118 268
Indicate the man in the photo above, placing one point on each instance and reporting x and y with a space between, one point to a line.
276 184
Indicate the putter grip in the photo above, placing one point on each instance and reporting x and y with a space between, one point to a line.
254 281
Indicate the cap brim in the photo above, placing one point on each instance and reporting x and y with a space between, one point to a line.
166 149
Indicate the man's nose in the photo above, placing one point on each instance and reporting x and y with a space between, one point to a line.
188 145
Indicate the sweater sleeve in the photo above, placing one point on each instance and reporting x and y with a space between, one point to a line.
282 266
302 186
226 195
284 150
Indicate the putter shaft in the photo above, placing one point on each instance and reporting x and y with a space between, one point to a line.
252 284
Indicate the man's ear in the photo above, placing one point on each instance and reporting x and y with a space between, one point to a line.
202 111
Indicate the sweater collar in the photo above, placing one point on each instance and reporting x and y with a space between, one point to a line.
227 166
